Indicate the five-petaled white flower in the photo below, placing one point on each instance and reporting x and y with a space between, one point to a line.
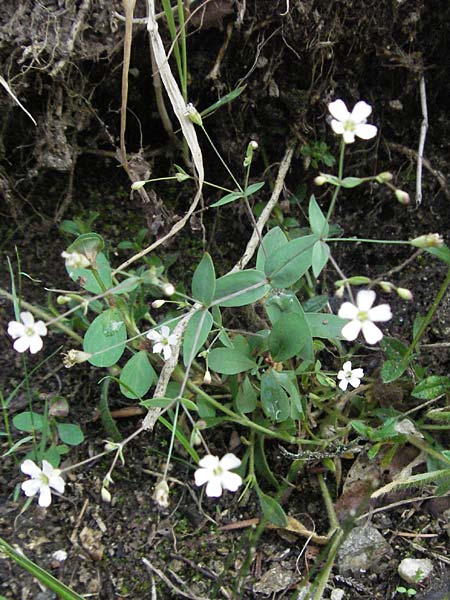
163 341
349 376
27 334
216 473
363 316
41 481
350 124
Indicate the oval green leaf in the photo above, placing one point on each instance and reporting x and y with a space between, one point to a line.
204 281
196 332
137 376
274 400
234 284
229 361
290 262
70 434
106 338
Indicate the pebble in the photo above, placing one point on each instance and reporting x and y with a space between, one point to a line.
409 568
365 549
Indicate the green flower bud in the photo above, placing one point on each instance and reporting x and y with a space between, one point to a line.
402 197
404 293
384 177
320 180
430 240
193 115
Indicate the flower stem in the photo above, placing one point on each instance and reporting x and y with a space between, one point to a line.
338 187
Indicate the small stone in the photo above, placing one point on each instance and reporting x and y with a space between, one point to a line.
274 580
337 594
415 570
365 549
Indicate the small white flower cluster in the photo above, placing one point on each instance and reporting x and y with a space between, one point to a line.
41 480
27 334
162 342
217 474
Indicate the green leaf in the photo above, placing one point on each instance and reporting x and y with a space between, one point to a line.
317 221
253 188
127 285
204 281
325 326
137 376
224 100
274 400
229 361
290 337
281 302
234 283
88 280
165 402
290 262
28 421
106 338
432 387
392 370
70 433
202 320
351 182
231 197
274 239
287 380
42 575
271 509
246 397
89 244
442 252
320 256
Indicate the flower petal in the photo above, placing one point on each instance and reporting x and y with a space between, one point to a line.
22 344
40 328
16 329
341 375
366 132
361 111
57 483
371 332
165 331
209 462
365 299
167 352
338 110
153 335
35 343
358 373
349 136
172 339
337 126
231 481
27 319
230 461
380 313
214 489
45 497
30 468
347 366
351 330
31 487
354 381
201 476
348 311
343 384
157 348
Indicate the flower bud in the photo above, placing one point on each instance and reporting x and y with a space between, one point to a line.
386 286
207 377
196 437
62 300
75 357
402 197
158 303
161 494
193 115
76 260
404 293
106 496
339 293
137 185
430 240
320 180
168 289
181 177
384 177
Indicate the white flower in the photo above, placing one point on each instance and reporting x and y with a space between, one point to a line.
349 376
216 473
41 481
163 341
27 334
362 317
75 260
350 124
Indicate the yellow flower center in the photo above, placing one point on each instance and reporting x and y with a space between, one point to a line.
218 471
363 316
29 331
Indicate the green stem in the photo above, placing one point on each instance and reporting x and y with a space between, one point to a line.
338 187
325 572
222 161
367 241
